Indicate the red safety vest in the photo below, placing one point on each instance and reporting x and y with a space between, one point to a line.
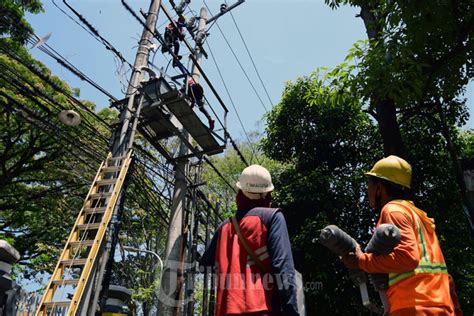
241 286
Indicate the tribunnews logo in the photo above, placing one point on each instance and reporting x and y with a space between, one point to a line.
173 278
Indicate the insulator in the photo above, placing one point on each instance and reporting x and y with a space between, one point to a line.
223 7
385 238
191 22
337 240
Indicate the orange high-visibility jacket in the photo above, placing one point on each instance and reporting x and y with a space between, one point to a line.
418 277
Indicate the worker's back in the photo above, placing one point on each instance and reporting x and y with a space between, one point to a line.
243 287
428 284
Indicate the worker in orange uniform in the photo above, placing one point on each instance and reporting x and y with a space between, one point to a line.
255 271
419 283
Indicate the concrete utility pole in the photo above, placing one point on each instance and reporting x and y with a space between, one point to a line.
122 142
172 278
141 60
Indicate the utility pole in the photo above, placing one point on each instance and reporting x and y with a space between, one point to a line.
122 142
171 280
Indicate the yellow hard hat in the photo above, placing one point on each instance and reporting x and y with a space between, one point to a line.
393 169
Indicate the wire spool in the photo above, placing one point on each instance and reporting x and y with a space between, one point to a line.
70 118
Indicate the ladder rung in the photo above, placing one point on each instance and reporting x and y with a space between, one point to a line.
117 158
73 262
65 282
83 243
111 169
96 210
56 304
100 195
107 181
90 226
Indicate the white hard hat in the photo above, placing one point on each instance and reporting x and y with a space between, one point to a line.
255 179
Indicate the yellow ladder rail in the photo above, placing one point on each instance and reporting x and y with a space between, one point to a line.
98 223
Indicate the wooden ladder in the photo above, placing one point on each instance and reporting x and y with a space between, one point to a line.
73 271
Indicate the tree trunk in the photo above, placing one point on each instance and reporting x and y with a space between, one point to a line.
389 128
456 166
385 108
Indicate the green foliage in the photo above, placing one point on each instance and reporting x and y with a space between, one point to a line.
42 180
13 22
467 144
320 132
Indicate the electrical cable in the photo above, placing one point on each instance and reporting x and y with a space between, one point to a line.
251 58
48 50
235 109
219 173
39 93
34 69
28 92
96 33
80 25
49 128
238 61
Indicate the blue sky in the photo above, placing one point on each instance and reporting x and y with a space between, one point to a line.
287 39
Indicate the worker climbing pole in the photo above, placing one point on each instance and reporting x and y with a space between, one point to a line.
171 281
90 246
80 282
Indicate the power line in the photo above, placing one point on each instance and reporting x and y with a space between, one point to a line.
48 50
34 69
96 33
219 173
31 89
250 55
235 109
48 127
238 61
80 25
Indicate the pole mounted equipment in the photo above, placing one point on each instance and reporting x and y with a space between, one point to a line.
69 117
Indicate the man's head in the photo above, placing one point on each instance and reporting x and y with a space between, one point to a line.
255 182
389 179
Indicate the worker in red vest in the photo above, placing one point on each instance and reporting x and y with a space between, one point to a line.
196 95
419 283
172 37
261 283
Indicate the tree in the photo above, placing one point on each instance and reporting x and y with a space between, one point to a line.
331 142
417 60
46 167
325 151
13 20
412 49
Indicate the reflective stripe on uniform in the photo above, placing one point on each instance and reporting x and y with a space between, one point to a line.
261 253
425 265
